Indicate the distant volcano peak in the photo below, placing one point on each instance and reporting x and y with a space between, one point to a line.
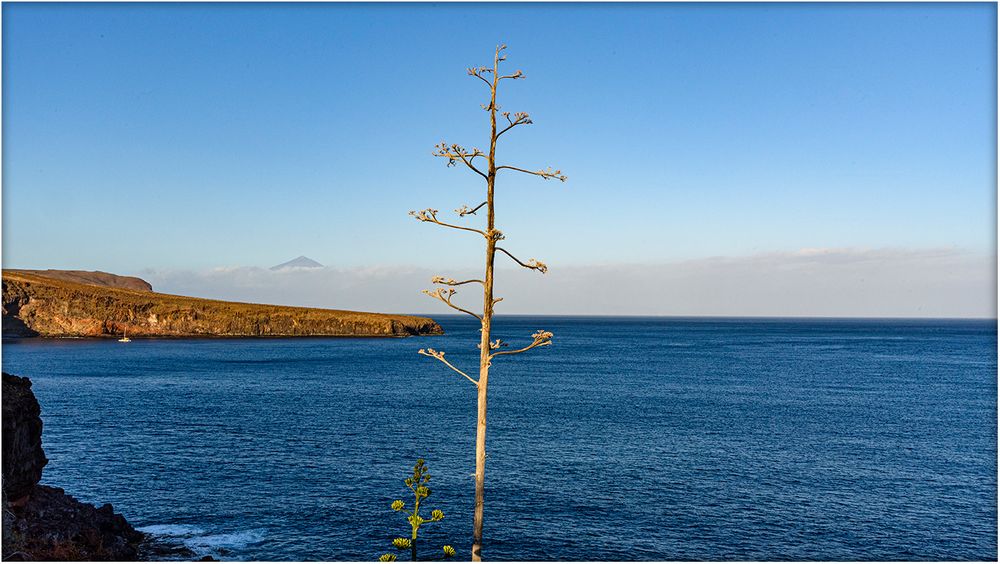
298 262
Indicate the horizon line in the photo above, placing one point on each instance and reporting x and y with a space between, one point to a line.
757 317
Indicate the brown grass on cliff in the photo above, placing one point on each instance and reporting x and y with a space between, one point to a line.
93 277
61 308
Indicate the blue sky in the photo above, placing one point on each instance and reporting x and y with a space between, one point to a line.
193 136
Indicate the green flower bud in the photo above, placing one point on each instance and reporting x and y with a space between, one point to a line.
387 558
400 542
437 515
398 505
449 551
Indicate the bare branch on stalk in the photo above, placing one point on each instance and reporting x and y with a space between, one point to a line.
478 72
452 281
541 339
517 74
520 118
532 264
445 297
430 216
464 210
544 174
440 356
456 152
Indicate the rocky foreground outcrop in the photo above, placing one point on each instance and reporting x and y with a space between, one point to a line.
42 522
23 457
35 304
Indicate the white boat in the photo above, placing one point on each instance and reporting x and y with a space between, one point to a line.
125 338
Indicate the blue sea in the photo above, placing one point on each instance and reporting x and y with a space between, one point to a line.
628 439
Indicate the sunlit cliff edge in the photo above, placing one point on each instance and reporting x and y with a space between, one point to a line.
95 304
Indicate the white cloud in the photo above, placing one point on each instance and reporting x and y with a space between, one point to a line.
808 282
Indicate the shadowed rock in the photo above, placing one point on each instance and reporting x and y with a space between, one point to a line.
42 522
23 458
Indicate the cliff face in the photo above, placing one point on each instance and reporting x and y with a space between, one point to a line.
38 305
42 522
23 458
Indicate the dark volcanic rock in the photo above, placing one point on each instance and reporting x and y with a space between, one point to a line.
23 458
42 522
55 526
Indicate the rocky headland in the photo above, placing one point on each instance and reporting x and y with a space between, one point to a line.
43 522
93 277
50 303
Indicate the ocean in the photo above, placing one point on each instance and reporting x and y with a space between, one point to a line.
627 439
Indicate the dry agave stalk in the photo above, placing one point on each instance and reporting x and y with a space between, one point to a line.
488 169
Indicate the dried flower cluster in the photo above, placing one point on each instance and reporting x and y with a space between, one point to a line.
465 210
538 265
549 173
542 335
425 215
494 345
432 353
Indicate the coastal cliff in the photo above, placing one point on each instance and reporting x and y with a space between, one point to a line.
81 304
93 277
43 522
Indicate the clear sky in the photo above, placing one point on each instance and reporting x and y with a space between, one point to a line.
187 137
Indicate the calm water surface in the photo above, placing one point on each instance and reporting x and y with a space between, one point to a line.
665 439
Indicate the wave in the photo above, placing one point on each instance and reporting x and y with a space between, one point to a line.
195 539
238 539
171 530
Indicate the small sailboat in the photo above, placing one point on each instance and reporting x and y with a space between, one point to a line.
125 338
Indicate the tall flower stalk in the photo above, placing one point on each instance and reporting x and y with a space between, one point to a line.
489 348
418 484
